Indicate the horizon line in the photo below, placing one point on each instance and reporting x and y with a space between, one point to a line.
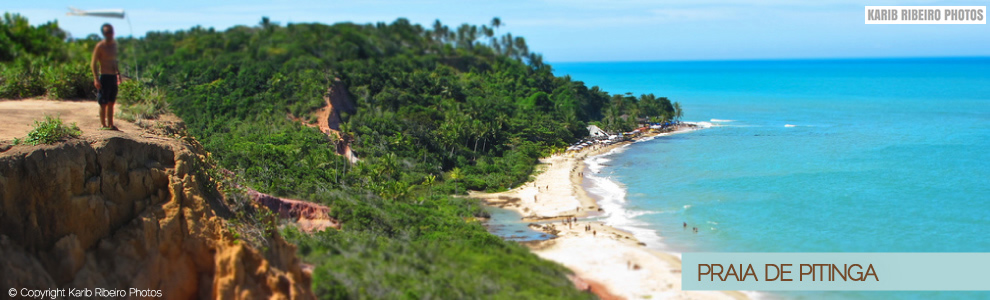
850 58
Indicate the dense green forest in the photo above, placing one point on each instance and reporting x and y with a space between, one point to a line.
440 110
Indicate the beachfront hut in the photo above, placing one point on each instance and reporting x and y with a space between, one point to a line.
596 132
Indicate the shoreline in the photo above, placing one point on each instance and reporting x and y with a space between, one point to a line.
612 258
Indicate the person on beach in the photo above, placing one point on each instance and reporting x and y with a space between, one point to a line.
106 76
685 225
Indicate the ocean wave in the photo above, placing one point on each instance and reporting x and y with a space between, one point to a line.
649 138
721 121
637 213
595 164
790 125
720 125
617 150
611 196
702 124
611 192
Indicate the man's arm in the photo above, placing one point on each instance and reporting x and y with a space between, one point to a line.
94 64
116 68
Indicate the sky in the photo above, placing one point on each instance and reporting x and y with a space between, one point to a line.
580 30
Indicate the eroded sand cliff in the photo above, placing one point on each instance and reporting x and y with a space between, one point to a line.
120 211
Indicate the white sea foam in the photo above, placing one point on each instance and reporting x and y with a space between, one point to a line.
721 121
702 124
596 163
649 138
637 213
722 125
612 199
790 125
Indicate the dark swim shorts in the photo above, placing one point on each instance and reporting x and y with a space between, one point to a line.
107 94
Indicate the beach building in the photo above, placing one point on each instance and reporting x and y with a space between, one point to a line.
596 132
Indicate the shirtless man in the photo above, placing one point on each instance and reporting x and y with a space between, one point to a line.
107 76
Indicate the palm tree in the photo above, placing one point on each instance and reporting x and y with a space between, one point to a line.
507 47
462 35
678 113
472 36
487 31
427 183
454 175
438 31
520 44
496 23
535 60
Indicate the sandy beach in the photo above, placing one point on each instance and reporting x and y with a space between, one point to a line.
606 257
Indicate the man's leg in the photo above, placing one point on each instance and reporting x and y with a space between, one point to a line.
103 115
110 114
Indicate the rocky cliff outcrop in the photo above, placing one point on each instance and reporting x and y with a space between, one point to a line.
130 212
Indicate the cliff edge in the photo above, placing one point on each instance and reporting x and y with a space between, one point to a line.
131 211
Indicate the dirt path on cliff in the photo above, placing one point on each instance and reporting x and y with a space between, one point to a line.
18 117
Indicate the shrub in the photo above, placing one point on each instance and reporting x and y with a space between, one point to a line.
140 102
37 77
130 92
65 81
50 131
19 82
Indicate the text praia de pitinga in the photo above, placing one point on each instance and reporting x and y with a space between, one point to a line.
781 272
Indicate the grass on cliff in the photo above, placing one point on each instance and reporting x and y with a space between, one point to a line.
139 101
50 131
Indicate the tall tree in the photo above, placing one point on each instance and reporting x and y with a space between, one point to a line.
496 23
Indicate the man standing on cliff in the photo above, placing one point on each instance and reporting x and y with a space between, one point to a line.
107 76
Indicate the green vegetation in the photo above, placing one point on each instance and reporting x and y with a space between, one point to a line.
50 131
439 111
36 61
138 101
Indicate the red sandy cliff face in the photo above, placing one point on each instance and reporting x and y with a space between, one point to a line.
329 117
308 216
129 212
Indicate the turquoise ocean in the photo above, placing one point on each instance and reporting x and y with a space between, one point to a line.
850 155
